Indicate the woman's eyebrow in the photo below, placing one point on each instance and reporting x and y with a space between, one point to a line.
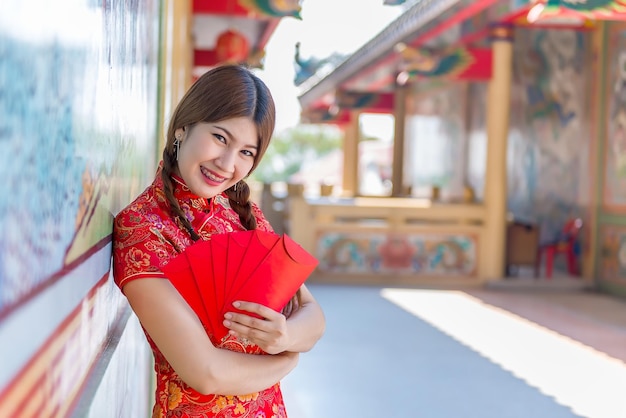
226 131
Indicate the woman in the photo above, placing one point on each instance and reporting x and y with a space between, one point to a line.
216 137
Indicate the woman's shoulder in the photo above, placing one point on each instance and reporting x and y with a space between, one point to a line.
148 204
227 212
261 220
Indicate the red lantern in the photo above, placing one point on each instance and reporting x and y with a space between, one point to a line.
232 46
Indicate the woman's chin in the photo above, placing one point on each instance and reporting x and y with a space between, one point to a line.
207 191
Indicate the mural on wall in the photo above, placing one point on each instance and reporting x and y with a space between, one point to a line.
416 254
78 105
615 149
549 139
613 253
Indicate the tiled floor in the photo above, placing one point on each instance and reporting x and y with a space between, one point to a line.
471 353
594 319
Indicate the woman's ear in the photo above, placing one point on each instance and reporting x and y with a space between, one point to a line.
179 134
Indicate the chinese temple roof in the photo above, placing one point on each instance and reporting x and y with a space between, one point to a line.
454 32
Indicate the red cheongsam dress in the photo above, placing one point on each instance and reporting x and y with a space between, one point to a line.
145 239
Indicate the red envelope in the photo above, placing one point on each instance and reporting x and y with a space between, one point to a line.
237 244
200 258
260 245
219 253
254 266
274 282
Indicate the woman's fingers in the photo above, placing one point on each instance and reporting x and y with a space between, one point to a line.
269 333
256 308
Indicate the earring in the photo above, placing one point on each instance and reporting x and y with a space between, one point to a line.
177 146
235 187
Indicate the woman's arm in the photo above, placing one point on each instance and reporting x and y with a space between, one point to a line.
275 333
179 335
306 326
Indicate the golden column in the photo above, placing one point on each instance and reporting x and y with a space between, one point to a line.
498 110
399 113
351 135
176 59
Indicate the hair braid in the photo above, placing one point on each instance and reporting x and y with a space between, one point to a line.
166 176
239 200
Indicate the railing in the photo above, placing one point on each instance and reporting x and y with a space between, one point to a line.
311 220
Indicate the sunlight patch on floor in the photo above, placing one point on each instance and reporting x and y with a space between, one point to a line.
589 382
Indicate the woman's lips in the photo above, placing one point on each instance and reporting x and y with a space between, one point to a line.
211 177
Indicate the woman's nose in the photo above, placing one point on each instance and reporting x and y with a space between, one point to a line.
226 161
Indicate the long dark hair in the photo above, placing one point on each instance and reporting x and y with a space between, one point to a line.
225 92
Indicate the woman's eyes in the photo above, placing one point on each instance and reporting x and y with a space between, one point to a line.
248 153
220 138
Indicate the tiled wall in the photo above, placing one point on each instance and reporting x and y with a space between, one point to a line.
78 99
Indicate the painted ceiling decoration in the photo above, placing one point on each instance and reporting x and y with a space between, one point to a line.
325 115
274 8
580 10
458 63
373 102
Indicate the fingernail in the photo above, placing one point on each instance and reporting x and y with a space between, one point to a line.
236 304
226 323
228 316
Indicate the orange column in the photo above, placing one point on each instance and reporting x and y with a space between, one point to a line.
351 135
598 111
498 110
176 59
399 113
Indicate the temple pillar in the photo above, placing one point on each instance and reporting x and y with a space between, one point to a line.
351 135
176 60
498 112
399 112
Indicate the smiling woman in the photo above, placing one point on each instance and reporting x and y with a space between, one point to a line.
215 156
217 135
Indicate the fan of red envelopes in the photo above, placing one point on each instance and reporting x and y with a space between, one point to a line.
255 266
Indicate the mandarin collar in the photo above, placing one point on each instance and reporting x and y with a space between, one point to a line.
184 194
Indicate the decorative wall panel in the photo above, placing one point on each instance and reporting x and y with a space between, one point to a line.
78 99
411 254
613 253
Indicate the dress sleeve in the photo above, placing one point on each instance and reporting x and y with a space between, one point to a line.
139 250
261 222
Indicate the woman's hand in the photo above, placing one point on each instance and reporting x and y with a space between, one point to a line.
269 333
274 333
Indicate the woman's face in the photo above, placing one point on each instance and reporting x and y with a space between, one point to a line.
215 156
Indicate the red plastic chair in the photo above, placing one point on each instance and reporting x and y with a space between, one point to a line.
565 244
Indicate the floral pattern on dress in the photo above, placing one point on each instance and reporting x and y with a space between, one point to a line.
145 239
